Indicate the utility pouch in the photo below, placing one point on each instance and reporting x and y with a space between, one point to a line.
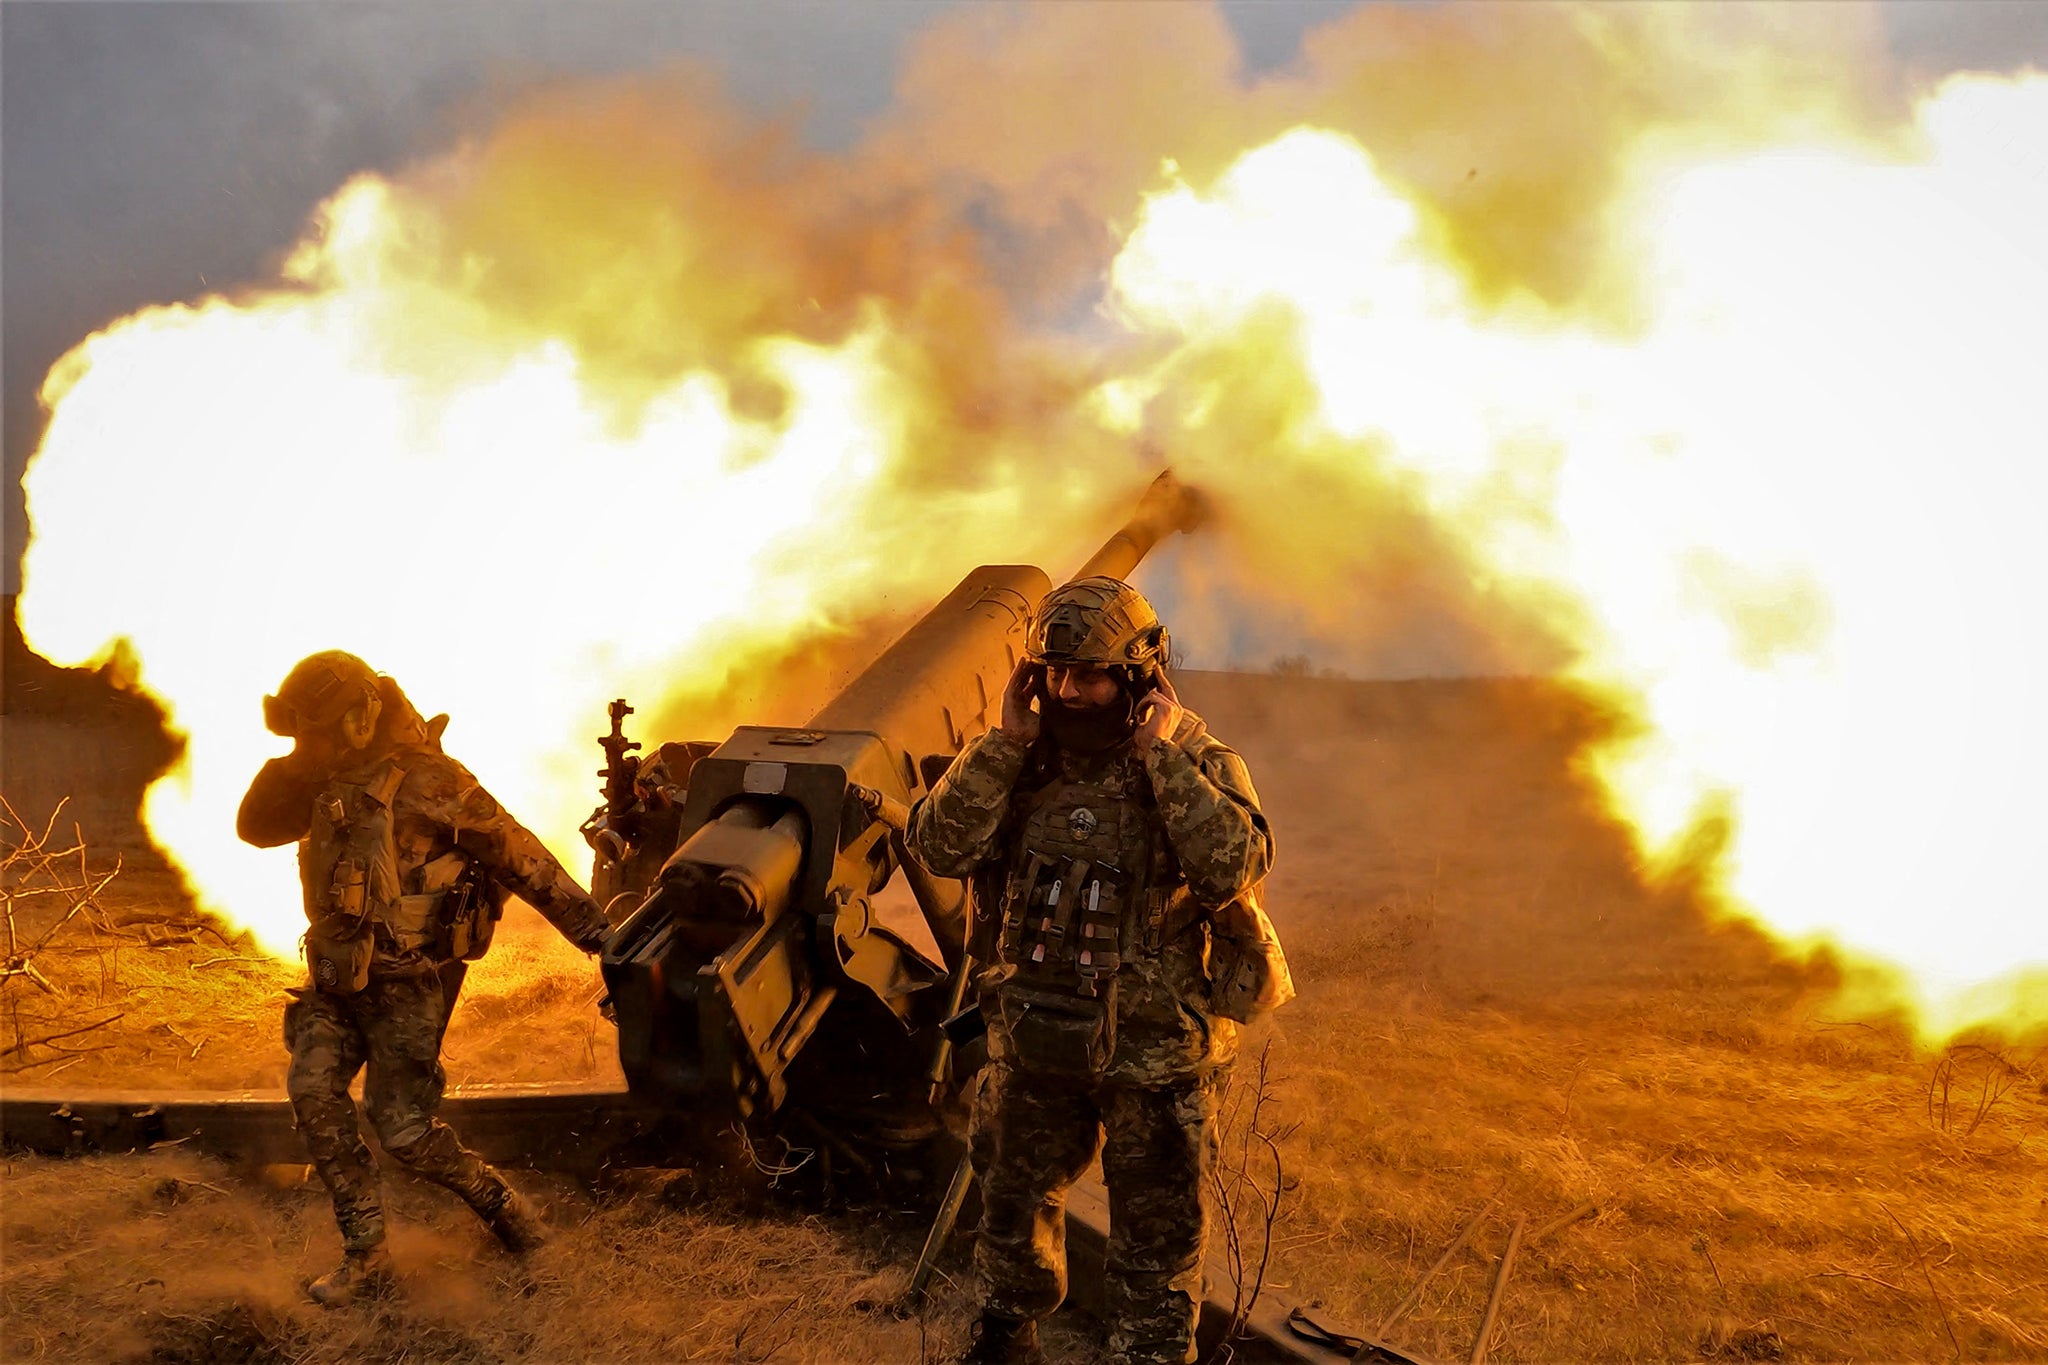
338 950
1063 1035
1248 973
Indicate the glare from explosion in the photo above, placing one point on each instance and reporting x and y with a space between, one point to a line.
1795 515
1784 514
362 462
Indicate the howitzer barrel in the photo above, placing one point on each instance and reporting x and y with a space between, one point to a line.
1168 506
942 682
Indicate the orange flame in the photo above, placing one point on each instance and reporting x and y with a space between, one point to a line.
1793 514
519 491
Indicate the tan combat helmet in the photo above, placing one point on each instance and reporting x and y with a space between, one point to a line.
1099 622
320 690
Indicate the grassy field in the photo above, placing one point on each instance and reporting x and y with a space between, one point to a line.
1495 1014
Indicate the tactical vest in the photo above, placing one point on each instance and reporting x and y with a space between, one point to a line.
1077 892
1087 887
356 899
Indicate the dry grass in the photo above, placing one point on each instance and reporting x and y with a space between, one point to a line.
1491 1003
169 1258
1737 1184
195 1007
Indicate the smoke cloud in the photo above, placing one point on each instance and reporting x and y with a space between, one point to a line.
1508 339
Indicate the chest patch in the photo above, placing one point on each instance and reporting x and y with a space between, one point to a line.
1082 822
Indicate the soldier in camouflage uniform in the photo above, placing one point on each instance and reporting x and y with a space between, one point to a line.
1104 831
405 861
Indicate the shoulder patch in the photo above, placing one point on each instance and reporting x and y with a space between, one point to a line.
479 807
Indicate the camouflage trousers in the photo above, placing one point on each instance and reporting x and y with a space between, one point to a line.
393 1027
1034 1135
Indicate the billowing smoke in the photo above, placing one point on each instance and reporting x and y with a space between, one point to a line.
1627 344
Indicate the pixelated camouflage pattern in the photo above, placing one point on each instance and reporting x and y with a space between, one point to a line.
1034 1136
1214 846
393 1028
954 827
1153 1108
1211 813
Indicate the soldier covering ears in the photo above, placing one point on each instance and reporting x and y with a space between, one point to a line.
405 861
1115 848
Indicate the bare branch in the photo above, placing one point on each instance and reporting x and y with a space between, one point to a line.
67 1033
1920 1257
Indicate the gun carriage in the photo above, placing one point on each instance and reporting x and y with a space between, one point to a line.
775 951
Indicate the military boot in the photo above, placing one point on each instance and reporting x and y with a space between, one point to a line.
517 1223
364 1274
1003 1341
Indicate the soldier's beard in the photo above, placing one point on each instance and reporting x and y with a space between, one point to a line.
1091 729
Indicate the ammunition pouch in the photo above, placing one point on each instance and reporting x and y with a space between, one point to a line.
1064 918
465 908
411 921
1060 1034
338 950
469 917
347 889
348 866
1248 973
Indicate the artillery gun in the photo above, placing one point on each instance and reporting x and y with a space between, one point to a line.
776 962
776 957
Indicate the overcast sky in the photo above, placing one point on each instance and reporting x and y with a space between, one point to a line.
151 151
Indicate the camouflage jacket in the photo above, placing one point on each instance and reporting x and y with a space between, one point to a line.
438 807
1207 843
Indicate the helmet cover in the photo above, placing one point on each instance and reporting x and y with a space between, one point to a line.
1098 623
320 690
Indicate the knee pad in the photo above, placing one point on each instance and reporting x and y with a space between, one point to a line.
407 1134
330 1134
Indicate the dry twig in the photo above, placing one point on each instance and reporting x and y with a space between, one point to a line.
27 1043
1840 1274
1259 1173
1407 1305
1948 1104
1921 1259
1561 1222
1500 1288
31 869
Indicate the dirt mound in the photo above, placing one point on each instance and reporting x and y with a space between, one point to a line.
79 736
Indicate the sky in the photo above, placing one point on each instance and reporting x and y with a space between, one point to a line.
151 152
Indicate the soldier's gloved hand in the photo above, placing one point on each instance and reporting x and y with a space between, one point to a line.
314 755
595 930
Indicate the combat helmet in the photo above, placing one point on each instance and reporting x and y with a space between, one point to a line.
318 691
1101 623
